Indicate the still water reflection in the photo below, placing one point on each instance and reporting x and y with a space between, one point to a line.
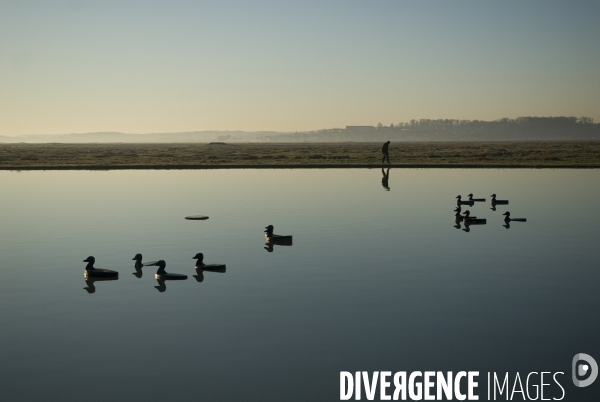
375 280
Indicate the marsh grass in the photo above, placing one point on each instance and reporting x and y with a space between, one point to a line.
547 154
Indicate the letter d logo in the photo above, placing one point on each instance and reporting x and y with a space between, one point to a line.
583 369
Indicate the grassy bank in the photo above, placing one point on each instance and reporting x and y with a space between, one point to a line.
429 154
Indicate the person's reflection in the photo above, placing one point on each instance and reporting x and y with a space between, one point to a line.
385 179
269 247
89 281
161 285
507 225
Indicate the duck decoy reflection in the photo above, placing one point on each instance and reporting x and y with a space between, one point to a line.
277 239
89 281
161 285
161 273
459 201
508 219
91 272
138 265
475 199
385 179
201 267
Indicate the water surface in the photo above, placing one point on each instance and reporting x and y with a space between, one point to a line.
375 280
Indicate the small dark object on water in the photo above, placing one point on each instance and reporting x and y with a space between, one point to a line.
277 239
217 143
498 202
162 274
91 272
507 218
196 218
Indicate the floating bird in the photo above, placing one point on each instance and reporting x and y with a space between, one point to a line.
498 202
461 202
277 239
476 199
91 272
508 219
164 275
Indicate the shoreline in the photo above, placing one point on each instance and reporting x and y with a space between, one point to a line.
424 155
298 166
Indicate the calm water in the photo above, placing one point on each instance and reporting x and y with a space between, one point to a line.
375 280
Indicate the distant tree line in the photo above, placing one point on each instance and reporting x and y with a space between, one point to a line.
521 128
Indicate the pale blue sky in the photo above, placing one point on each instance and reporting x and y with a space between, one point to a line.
142 66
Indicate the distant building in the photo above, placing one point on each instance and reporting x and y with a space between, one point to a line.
360 128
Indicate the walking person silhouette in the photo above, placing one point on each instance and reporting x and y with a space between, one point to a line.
384 151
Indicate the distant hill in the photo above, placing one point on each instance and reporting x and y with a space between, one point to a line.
522 128
115 137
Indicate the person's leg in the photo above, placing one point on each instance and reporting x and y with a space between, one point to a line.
388 158
383 159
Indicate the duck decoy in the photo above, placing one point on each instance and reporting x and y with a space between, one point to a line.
509 219
207 267
459 201
91 272
138 265
459 218
164 275
476 199
201 267
498 202
467 215
277 239
472 220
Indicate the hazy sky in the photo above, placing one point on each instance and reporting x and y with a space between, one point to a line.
147 66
